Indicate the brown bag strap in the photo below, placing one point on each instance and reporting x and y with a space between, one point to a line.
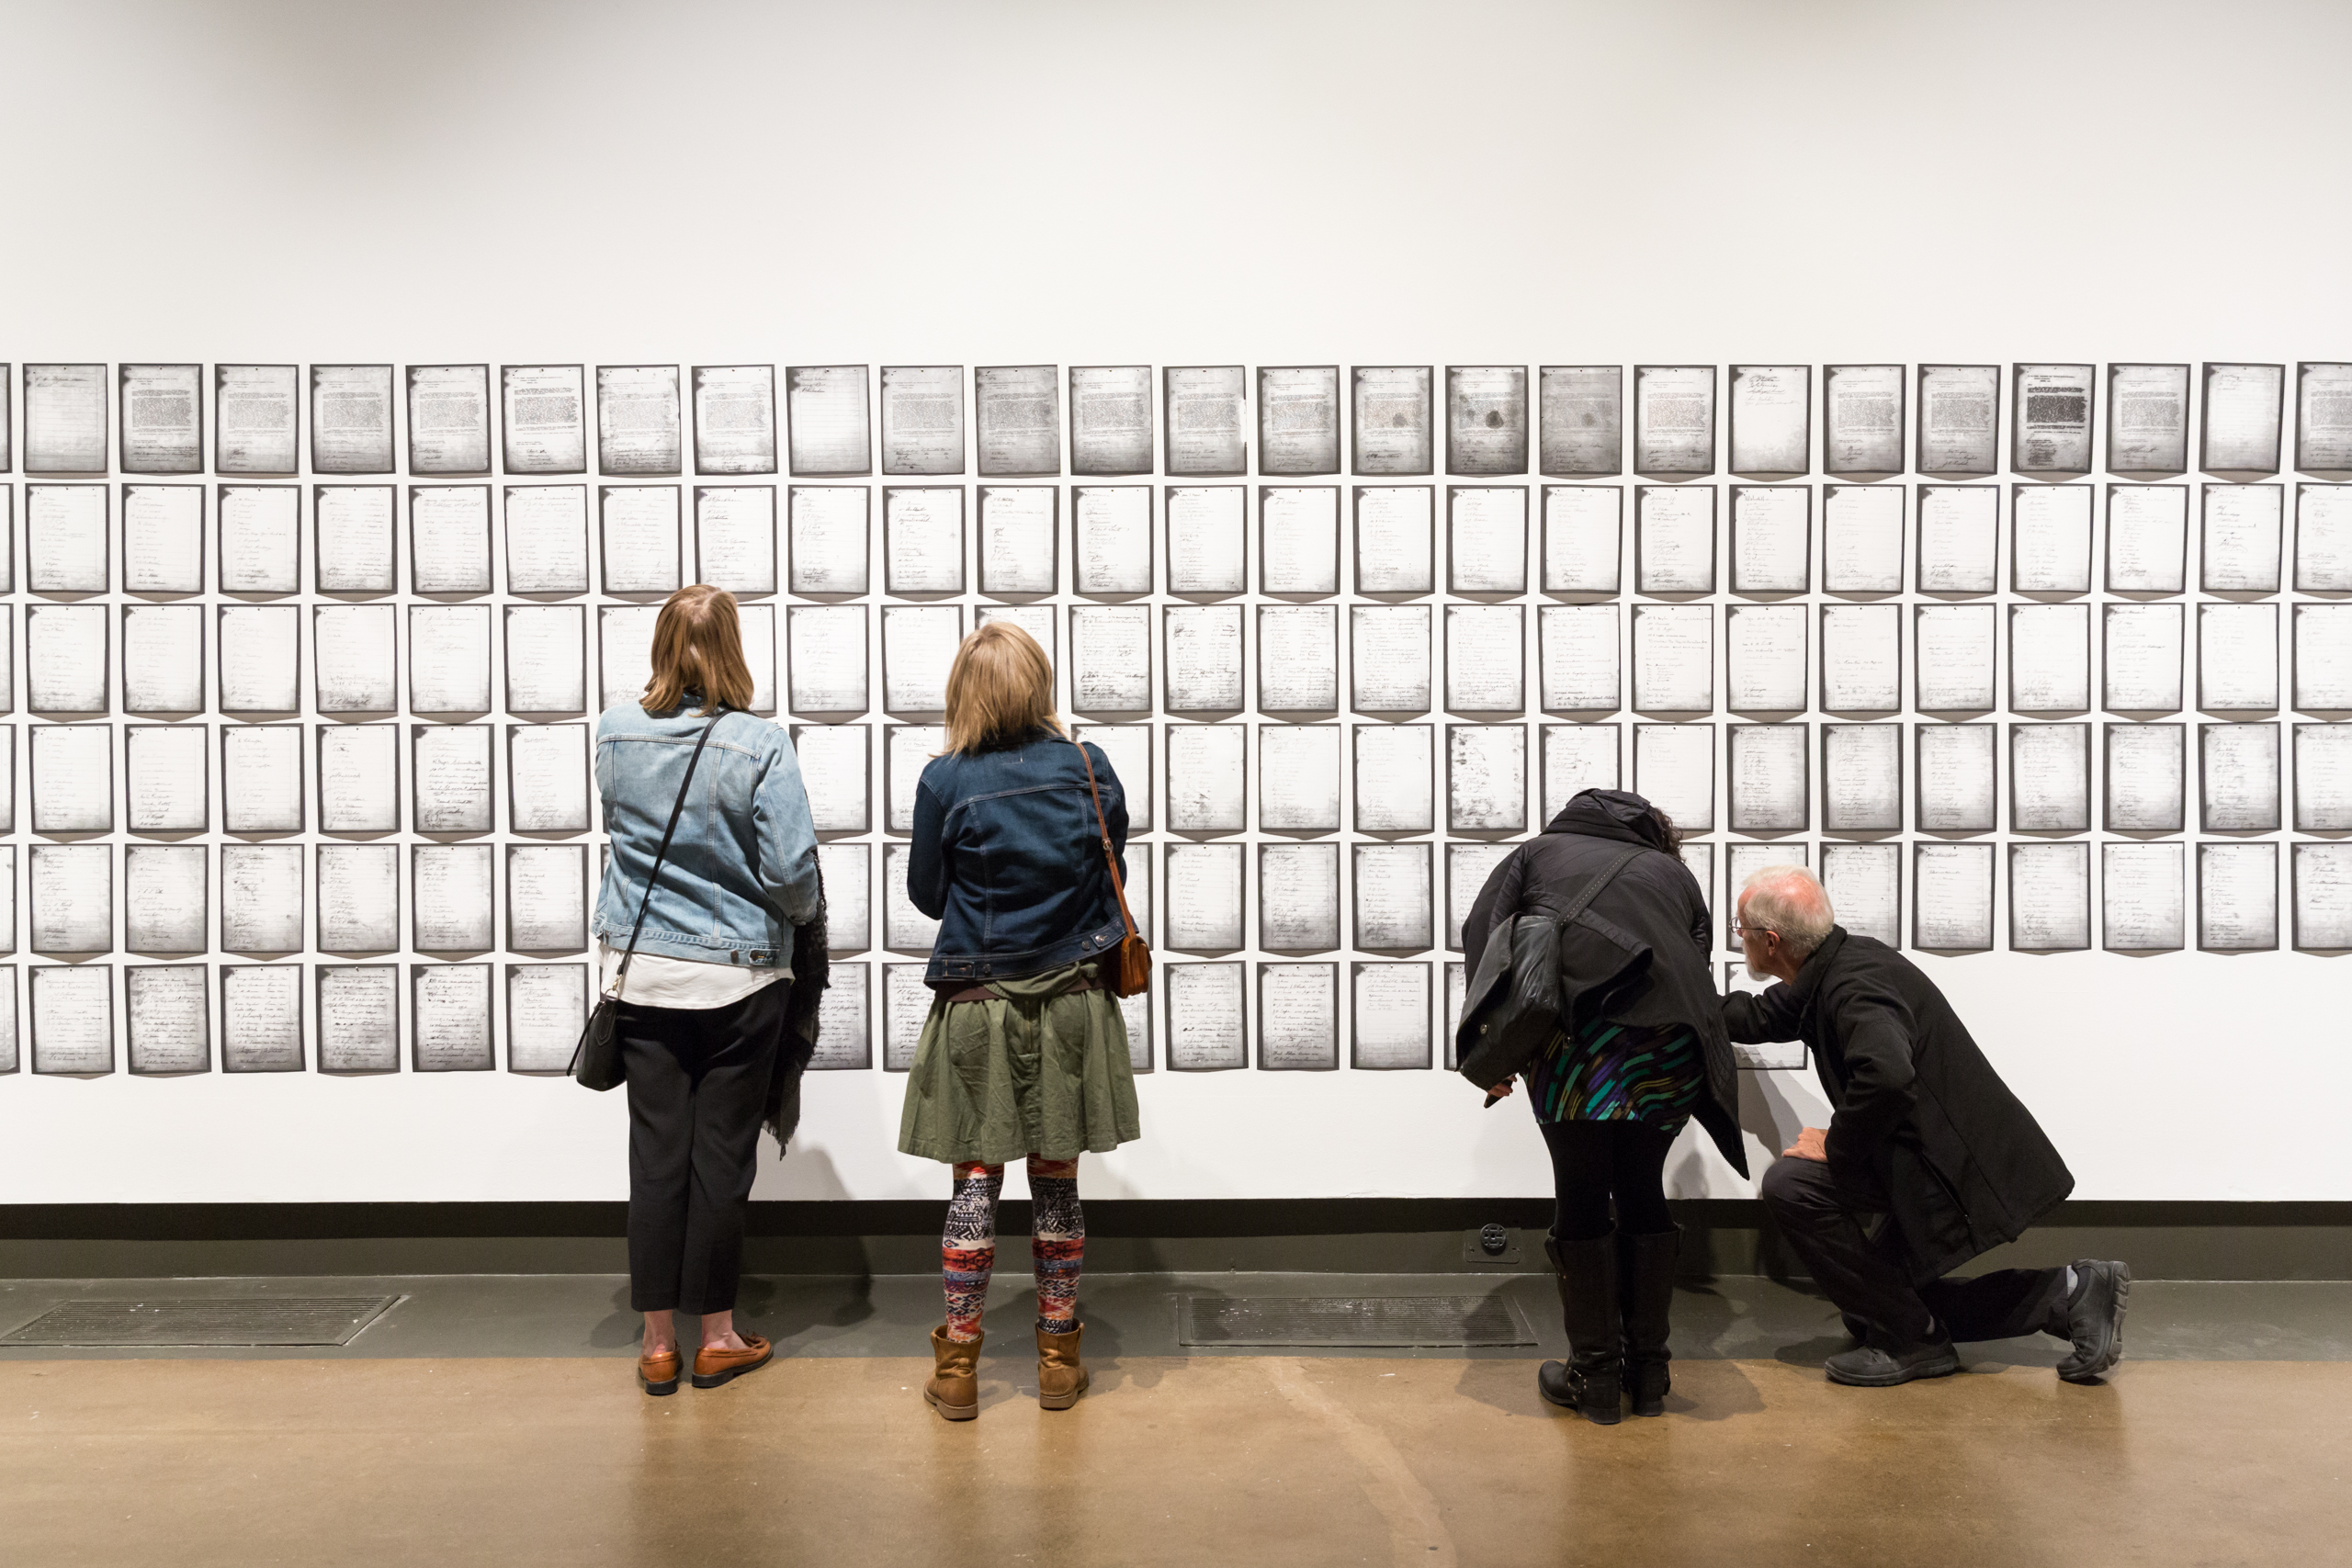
1110 857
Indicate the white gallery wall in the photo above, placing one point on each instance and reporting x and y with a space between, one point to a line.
1719 186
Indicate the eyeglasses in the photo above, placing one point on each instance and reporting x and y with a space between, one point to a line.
1745 932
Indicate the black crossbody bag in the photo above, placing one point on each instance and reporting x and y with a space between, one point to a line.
596 1062
1543 972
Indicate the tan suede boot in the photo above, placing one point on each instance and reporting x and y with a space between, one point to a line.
955 1387
1061 1376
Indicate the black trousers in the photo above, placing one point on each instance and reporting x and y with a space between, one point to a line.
1824 1221
698 1084
1595 1162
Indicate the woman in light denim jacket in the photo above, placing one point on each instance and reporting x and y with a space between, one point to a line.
703 1001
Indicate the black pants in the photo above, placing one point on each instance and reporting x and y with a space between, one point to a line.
698 1085
1594 1162
1824 1221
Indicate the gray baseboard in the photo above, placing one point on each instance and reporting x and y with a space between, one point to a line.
2161 1240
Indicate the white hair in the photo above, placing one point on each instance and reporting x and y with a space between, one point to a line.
1786 898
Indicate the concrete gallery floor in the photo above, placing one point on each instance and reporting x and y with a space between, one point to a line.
496 1419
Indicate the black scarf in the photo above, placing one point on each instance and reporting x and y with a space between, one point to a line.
811 971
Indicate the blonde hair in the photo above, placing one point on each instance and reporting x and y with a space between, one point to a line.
698 648
1786 898
1000 686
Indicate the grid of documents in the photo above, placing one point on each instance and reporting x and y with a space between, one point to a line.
301 665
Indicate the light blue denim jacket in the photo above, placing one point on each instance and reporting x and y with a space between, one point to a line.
742 868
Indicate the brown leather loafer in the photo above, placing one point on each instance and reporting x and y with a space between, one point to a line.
659 1374
715 1364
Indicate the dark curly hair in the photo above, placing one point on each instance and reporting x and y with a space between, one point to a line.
1668 831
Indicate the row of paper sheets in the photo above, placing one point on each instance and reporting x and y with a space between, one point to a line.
1682 658
2145 903
536 419
439 660
1388 899
1307 779
266 900
361 774
648 540
167 1014
348 899
540 414
352 1021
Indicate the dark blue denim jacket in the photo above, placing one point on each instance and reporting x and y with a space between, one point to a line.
1007 857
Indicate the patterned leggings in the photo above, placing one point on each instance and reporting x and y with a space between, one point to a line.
1056 1244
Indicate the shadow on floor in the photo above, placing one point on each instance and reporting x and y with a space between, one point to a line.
1136 1315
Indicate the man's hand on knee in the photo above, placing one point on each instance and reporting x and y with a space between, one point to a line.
1812 1143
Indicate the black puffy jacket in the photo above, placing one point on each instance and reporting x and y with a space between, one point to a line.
1657 899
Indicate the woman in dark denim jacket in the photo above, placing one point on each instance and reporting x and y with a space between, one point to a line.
1024 1052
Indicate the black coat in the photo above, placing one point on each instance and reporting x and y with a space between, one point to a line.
1920 1113
811 973
1655 898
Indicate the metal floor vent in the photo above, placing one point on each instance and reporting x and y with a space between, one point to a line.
1365 1321
198 1320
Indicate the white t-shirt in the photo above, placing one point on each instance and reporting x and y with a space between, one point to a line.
657 981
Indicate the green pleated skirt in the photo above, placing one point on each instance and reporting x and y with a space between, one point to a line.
1036 1069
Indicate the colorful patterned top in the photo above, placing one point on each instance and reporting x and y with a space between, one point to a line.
1613 1073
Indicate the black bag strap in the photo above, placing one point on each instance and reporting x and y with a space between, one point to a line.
620 975
1577 906
1583 900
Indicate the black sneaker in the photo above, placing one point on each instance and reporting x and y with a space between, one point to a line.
2095 1318
1870 1367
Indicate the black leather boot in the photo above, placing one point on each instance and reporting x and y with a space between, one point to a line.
1588 1379
1645 1287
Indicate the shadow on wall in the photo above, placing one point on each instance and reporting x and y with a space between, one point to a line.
804 1172
1774 1107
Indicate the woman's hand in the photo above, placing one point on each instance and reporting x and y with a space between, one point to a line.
1500 1092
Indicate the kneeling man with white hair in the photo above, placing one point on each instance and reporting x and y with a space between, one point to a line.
1925 1139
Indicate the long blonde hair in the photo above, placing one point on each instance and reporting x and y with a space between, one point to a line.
698 648
1000 685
